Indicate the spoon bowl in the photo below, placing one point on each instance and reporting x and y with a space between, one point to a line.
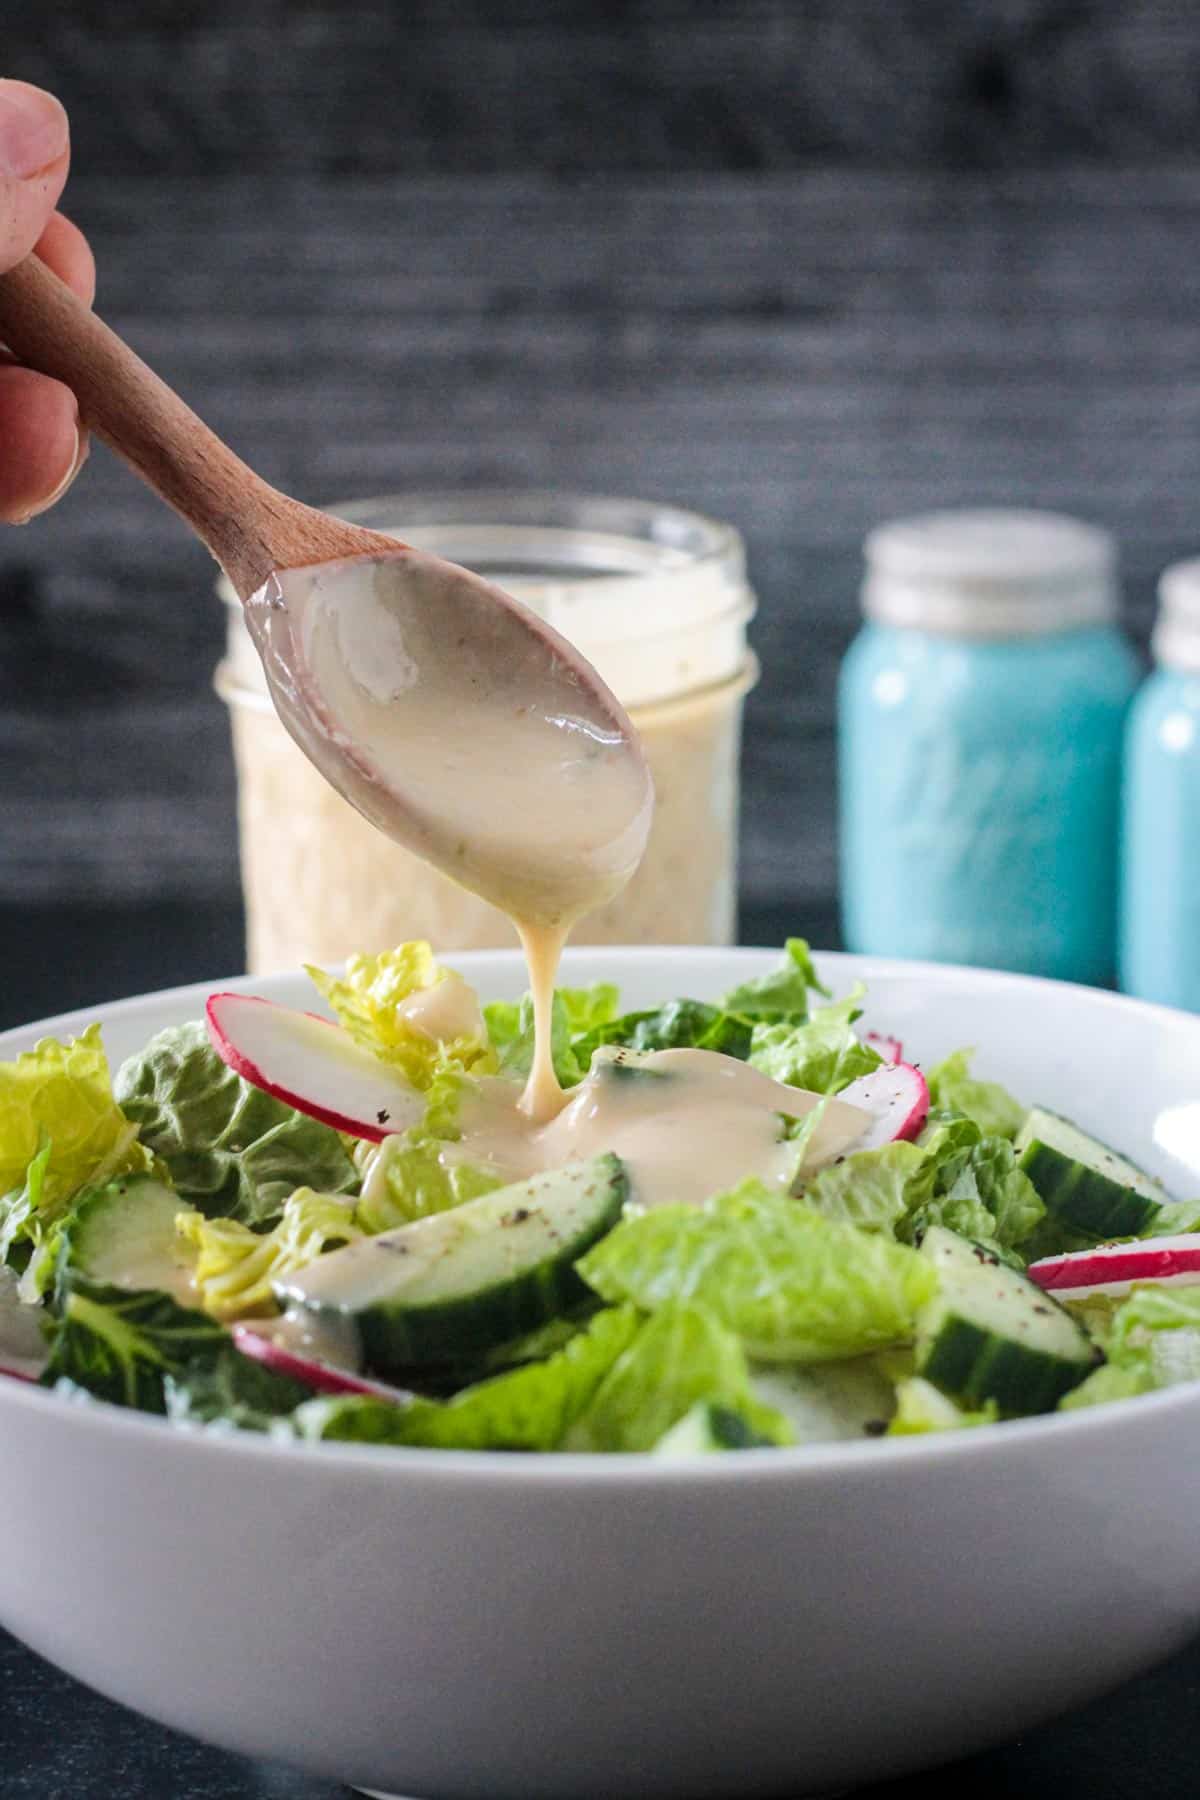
446 712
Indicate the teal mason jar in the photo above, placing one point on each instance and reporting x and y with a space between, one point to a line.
1160 861
981 711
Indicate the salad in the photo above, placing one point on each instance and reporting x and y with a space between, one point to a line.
269 1222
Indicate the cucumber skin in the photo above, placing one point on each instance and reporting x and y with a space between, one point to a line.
966 1361
397 1339
1085 1200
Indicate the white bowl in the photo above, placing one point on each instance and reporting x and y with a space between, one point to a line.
485 1626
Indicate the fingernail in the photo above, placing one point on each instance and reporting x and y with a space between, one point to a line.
33 129
78 457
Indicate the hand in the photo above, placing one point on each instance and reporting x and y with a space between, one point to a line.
42 446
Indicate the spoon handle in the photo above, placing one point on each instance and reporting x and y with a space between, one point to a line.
250 527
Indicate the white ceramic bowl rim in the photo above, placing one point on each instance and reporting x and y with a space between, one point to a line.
815 1463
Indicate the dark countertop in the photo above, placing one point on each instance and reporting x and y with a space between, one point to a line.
60 1741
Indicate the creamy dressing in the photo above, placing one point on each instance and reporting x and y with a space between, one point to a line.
447 1009
460 724
466 730
686 1123
321 1336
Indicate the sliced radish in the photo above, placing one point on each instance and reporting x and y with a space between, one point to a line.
1114 1268
312 1065
28 1373
890 1048
897 1099
274 1354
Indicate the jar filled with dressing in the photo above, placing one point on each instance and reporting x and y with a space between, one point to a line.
1160 851
981 711
654 597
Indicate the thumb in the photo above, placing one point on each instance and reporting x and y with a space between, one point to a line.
34 153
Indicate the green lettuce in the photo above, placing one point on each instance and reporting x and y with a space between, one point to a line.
367 1002
792 1285
679 1358
872 1189
528 1408
235 1267
407 1177
231 1392
992 1107
121 1346
511 1029
232 1151
60 1130
782 993
679 1025
1151 1340
822 1055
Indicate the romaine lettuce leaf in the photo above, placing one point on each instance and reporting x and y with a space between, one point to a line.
528 1408
60 1129
872 1189
120 1346
679 1025
792 1285
1151 1340
368 999
20 1209
511 1029
822 1055
235 1266
406 1177
682 1355
232 1151
231 1392
992 1107
782 992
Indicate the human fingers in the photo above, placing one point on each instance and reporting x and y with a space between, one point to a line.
41 445
63 248
35 151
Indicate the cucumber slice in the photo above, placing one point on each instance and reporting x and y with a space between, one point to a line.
461 1281
1085 1186
124 1236
709 1429
991 1334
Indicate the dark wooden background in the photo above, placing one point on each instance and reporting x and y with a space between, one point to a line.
801 266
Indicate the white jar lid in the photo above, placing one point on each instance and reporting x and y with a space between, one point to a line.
1176 639
990 572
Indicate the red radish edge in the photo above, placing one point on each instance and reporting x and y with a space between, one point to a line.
18 1375
897 1097
890 1048
249 1071
262 1348
1115 1265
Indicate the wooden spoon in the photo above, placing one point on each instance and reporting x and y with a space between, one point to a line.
428 697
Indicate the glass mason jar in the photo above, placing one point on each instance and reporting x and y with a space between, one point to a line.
1160 851
656 598
980 721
